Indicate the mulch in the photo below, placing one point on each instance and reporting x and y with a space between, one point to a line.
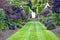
7 33
57 31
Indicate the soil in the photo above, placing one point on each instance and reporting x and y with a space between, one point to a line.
57 31
7 33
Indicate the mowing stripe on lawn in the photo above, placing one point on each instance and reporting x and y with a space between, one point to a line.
33 35
41 25
39 32
26 37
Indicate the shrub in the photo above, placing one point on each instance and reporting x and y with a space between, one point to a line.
3 24
56 17
56 6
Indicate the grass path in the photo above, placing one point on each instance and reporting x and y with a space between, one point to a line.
33 31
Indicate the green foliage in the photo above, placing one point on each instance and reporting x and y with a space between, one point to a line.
18 22
45 19
17 2
26 8
39 5
34 3
33 31
56 18
39 8
3 25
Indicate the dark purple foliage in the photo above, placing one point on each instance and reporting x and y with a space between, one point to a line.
49 24
56 6
16 11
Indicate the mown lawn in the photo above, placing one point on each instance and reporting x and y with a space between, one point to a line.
33 31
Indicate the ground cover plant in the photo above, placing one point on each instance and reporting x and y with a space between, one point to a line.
33 31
